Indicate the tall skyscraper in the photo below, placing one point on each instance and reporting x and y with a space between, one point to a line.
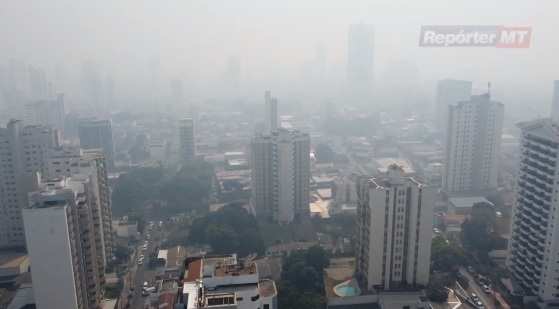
90 165
46 112
555 103
472 145
187 141
23 153
60 233
270 113
533 258
395 229
280 165
97 134
449 92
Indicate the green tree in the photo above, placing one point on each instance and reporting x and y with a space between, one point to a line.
437 292
317 257
437 289
301 285
477 231
134 188
446 256
230 230
186 189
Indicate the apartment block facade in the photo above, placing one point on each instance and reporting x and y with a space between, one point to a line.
395 221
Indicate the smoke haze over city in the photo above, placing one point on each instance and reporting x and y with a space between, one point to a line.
279 154
298 48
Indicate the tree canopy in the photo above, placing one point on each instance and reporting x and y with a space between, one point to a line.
446 256
477 231
301 285
229 230
186 189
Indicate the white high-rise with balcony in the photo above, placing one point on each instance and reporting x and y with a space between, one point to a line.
23 153
534 245
395 224
280 170
473 144
60 231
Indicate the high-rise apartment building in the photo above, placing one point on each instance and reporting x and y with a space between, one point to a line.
97 134
534 246
23 154
187 141
60 234
271 113
395 223
49 113
90 165
280 165
555 102
472 145
449 92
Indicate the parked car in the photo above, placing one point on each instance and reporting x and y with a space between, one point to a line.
486 289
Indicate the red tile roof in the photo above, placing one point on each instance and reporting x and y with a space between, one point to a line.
194 271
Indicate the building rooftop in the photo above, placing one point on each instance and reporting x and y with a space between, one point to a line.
24 296
12 260
193 271
383 165
175 256
541 127
394 175
468 202
267 288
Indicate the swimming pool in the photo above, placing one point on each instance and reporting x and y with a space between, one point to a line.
347 288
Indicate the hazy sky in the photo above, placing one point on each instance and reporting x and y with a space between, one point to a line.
275 39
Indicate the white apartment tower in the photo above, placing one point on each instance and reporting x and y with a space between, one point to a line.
90 165
473 143
280 166
187 142
395 229
555 102
450 92
60 235
534 246
23 153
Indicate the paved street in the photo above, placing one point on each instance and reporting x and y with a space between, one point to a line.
139 277
487 299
